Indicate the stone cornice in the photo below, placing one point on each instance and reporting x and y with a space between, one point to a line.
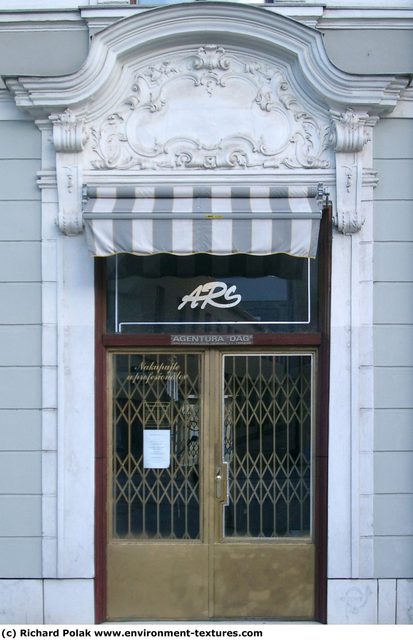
270 33
109 178
40 20
365 18
323 15
404 108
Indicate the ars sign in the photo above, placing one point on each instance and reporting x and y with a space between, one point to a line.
210 293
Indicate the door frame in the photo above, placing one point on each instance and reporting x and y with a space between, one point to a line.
319 340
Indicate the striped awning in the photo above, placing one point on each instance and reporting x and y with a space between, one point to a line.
215 220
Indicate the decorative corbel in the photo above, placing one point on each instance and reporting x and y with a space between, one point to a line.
69 138
348 136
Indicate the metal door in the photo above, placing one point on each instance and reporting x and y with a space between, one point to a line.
210 487
263 548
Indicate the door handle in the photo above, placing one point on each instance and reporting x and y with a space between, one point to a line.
221 483
218 484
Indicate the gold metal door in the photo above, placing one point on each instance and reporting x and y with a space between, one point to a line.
157 557
210 485
263 549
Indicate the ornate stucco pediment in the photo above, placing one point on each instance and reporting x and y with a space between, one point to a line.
209 91
209 108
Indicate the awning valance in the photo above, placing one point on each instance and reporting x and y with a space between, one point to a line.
217 220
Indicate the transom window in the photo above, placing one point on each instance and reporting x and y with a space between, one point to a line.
203 293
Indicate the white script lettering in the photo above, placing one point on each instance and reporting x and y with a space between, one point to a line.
208 294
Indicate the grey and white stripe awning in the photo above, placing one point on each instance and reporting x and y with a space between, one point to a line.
215 220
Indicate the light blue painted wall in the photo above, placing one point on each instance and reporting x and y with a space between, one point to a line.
393 349
370 50
20 349
48 51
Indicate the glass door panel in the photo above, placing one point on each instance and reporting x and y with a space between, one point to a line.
267 445
156 431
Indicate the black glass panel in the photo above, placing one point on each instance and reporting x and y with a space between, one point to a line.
211 294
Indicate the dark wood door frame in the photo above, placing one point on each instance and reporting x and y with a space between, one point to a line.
321 340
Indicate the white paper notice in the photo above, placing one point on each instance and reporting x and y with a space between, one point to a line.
156 448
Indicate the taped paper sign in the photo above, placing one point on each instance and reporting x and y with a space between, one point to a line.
156 448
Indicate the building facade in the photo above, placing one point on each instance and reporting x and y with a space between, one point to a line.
206 325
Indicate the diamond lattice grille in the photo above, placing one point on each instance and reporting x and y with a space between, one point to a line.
267 445
156 392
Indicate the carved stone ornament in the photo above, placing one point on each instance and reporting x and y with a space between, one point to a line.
348 135
209 109
348 131
69 132
69 137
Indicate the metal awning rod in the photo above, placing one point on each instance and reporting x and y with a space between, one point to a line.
310 215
